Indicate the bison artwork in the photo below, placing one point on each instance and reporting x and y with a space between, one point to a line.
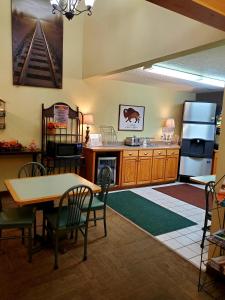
130 114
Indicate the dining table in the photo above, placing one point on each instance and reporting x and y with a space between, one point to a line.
40 189
207 178
203 179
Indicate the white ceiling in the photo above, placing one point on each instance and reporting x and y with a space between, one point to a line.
210 63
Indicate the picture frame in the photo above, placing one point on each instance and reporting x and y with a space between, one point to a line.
131 117
36 29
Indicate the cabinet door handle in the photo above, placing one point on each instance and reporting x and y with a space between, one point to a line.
130 154
145 153
159 153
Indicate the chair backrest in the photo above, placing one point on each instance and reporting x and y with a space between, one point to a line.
32 169
210 195
73 201
104 180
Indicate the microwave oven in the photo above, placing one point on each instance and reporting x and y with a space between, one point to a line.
63 149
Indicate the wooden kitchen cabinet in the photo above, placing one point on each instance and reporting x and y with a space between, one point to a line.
144 173
149 166
129 170
158 168
144 170
136 166
158 165
165 165
171 168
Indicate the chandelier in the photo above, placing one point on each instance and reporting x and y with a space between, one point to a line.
71 8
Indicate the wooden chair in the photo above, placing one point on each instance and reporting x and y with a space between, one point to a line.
69 216
100 200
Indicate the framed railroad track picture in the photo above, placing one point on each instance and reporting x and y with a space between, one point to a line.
37 44
131 117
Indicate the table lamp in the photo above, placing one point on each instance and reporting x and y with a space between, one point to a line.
168 130
88 120
170 123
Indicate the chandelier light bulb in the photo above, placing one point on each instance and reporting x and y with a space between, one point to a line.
89 3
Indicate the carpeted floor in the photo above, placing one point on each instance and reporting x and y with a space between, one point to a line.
128 264
152 217
185 192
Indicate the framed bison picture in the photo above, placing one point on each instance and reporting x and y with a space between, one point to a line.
131 117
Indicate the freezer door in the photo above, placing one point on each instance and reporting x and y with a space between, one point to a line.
192 166
201 112
198 131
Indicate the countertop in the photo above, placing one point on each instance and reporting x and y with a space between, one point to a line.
121 147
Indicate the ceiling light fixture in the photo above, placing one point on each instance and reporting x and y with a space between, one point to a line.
71 8
184 75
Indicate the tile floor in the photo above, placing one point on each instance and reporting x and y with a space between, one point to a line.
186 242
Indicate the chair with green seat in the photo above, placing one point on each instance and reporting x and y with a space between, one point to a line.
33 169
18 218
100 200
69 216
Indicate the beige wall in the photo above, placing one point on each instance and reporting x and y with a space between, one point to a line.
124 33
159 104
23 104
102 97
97 95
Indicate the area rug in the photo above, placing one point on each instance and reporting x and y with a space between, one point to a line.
185 192
152 217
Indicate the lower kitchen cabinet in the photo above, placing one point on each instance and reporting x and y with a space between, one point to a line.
129 170
158 169
136 166
144 170
171 168
158 165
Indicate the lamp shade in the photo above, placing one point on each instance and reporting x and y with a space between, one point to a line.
170 123
88 119
89 3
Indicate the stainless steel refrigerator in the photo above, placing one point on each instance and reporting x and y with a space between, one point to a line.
198 136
